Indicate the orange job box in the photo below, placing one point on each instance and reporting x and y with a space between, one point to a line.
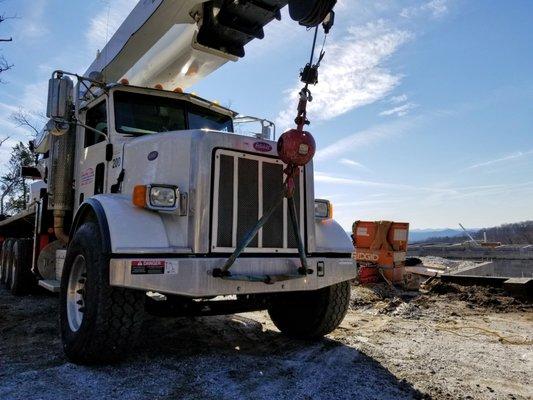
381 244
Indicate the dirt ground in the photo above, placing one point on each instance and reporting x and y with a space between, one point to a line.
452 343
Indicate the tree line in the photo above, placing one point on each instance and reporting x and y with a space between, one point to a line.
512 233
13 187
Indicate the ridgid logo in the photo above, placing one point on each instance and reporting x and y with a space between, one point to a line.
366 257
262 147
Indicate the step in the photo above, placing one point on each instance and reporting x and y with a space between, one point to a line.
519 287
50 284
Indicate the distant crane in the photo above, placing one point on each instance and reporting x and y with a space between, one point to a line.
470 236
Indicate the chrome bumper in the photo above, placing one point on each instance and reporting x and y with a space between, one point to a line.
193 276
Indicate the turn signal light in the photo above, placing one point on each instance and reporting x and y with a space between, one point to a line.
139 196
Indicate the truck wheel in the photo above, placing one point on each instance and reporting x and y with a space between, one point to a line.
9 263
99 323
21 278
5 257
2 273
311 315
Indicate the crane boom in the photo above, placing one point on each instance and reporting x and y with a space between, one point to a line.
179 42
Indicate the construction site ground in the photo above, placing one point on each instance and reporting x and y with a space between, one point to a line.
454 342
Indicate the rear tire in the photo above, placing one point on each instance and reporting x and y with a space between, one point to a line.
99 323
9 263
311 315
21 278
6 249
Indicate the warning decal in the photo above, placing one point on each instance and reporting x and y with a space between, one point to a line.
153 267
147 267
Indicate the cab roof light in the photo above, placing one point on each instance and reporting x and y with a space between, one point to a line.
178 90
158 86
124 81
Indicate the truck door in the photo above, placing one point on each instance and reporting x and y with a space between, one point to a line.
92 165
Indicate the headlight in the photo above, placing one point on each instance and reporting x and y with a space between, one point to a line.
323 209
163 196
160 198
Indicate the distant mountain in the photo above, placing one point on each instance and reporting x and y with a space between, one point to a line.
513 233
419 235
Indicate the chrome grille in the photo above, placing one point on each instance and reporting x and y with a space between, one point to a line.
245 186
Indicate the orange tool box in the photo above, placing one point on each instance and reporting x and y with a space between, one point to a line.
381 245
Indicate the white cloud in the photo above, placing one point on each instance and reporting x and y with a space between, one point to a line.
352 74
105 23
510 157
399 111
435 8
345 181
327 178
364 138
33 24
352 163
398 99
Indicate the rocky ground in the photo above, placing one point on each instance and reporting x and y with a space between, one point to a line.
450 343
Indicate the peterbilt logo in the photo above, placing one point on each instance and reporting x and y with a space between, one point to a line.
262 147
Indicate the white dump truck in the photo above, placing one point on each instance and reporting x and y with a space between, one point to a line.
143 191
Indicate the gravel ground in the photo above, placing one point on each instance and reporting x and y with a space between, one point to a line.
392 345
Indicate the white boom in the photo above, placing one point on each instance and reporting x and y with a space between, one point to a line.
156 44
176 43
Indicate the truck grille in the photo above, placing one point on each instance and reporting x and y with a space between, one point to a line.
245 186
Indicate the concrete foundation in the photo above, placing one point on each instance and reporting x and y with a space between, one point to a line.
471 252
500 269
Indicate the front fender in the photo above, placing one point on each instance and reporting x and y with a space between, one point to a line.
125 229
331 238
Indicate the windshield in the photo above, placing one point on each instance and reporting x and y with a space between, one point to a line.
140 114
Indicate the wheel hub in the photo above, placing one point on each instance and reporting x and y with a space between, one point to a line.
76 293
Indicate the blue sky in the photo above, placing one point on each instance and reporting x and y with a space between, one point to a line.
423 113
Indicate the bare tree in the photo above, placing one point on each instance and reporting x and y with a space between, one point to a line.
27 120
4 64
12 185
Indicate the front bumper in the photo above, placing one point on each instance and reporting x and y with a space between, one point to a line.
192 276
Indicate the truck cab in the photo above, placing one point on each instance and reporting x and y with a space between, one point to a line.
147 194
153 203
122 114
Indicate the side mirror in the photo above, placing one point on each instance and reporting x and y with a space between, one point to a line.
59 97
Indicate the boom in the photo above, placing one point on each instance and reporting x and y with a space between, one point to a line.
176 43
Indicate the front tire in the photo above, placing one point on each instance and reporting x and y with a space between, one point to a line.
311 315
99 323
